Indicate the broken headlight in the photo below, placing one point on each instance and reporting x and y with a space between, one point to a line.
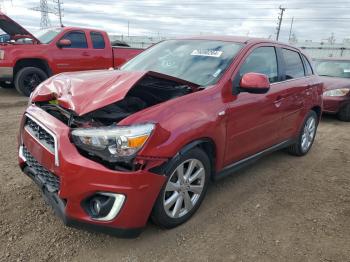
112 144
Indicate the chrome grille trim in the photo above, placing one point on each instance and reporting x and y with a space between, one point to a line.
55 149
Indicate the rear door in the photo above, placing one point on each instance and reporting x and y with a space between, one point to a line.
100 51
254 120
296 84
75 57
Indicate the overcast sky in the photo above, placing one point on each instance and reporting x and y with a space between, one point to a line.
314 20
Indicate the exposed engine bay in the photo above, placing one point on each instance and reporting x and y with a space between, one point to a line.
149 91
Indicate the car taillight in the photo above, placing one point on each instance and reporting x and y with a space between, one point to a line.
2 54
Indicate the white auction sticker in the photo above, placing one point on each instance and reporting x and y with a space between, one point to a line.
206 52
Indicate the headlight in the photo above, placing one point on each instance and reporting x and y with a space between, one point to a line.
337 92
112 144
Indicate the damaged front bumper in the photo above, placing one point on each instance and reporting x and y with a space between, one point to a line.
70 182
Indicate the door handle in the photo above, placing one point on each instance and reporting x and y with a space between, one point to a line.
85 54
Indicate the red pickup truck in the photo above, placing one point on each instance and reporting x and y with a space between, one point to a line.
28 59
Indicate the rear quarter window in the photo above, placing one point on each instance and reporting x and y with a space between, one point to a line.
308 67
98 41
294 67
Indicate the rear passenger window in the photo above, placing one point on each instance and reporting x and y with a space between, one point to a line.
262 60
308 67
294 65
77 38
98 41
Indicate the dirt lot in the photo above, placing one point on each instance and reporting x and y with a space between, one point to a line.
282 208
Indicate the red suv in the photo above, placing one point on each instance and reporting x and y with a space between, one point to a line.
109 149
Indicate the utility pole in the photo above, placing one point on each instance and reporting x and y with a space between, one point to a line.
128 28
291 29
280 18
59 10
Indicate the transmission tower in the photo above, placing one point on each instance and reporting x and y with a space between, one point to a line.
45 10
59 10
280 18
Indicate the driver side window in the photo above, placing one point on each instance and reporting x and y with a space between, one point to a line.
262 60
77 38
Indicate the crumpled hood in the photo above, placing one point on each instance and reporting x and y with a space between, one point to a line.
331 83
87 91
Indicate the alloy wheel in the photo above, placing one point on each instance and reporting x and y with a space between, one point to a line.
308 134
184 188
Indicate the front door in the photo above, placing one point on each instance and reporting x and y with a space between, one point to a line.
75 57
253 120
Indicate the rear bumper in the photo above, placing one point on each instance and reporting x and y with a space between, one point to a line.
334 104
81 178
6 73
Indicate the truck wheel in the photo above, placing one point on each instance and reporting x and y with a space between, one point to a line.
306 136
184 190
4 84
28 78
344 113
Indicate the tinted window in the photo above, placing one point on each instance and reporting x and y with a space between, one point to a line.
294 65
308 68
262 60
78 39
97 40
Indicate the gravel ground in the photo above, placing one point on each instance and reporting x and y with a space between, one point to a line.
282 208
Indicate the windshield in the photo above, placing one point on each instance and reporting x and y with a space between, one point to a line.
47 35
333 68
198 61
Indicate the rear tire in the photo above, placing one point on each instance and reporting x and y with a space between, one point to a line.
28 78
306 136
344 113
184 190
6 85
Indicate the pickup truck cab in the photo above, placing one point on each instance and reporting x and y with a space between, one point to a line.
28 59
144 141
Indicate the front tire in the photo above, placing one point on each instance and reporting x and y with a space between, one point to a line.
306 136
184 190
28 78
344 113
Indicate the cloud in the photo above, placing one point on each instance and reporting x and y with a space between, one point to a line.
314 20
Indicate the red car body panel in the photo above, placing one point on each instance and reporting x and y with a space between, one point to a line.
238 125
332 104
58 60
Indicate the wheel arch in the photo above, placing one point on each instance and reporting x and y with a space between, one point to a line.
206 144
32 62
318 111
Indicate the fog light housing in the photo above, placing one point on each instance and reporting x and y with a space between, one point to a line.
104 206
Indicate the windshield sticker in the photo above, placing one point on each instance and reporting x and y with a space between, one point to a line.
206 52
217 73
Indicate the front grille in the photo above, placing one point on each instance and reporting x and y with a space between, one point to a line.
49 180
41 134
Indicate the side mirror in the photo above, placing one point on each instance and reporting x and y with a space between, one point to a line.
64 43
254 83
